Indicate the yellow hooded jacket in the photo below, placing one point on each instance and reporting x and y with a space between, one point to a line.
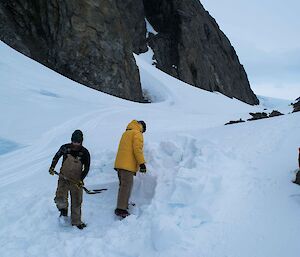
130 153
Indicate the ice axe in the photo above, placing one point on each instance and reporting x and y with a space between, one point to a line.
90 192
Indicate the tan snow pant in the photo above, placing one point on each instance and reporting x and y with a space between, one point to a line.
125 187
61 199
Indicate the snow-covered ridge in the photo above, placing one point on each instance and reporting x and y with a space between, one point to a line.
26 85
210 190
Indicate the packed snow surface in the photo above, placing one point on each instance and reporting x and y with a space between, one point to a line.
210 190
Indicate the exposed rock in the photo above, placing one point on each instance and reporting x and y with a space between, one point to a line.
296 105
86 41
234 122
297 178
275 113
258 115
190 46
91 41
133 15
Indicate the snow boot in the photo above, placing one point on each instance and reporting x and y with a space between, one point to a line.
80 226
63 218
297 179
63 212
122 213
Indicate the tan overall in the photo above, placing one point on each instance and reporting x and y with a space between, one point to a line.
71 168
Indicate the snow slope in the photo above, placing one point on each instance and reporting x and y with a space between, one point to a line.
270 103
210 190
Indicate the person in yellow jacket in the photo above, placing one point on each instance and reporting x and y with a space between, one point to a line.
129 159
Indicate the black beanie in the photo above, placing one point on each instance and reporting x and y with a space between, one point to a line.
77 136
143 124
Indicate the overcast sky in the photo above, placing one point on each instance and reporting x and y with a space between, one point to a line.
266 37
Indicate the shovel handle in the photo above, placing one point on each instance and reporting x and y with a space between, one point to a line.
96 191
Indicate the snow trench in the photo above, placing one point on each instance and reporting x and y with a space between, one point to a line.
164 198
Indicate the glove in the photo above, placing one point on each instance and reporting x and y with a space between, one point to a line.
80 183
51 171
143 168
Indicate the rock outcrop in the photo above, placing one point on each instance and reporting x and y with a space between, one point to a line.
234 122
91 41
133 15
275 113
190 46
85 40
296 105
258 116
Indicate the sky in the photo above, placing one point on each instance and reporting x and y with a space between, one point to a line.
266 37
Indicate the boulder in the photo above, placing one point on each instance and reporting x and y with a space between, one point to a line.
275 113
258 116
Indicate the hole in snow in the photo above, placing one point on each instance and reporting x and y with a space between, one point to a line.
143 189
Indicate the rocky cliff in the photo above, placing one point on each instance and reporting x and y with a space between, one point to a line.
190 46
91 41
86 41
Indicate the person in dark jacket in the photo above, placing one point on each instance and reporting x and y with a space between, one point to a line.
75 167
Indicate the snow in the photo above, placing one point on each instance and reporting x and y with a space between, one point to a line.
7 146
148 56
210 190
270 103
149 28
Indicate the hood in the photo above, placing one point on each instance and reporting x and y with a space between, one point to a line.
134 125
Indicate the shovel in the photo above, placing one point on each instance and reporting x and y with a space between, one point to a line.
90 192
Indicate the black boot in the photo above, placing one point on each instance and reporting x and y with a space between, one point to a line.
81 226
63 212
121 213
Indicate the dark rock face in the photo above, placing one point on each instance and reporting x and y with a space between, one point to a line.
133 15
275 113
190 46
234 122
258 116
86 41
296 105
91 41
